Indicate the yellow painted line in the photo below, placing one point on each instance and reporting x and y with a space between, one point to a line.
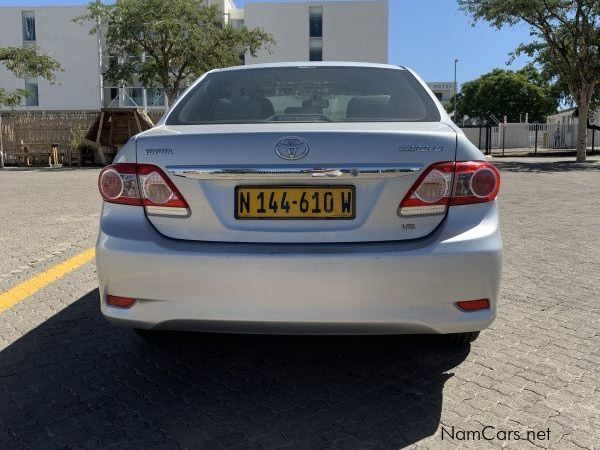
29 287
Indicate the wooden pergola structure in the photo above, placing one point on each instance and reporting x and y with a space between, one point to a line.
113 128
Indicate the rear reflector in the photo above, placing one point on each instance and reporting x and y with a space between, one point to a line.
474 305
121 302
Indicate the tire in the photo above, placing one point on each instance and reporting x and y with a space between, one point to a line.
463 338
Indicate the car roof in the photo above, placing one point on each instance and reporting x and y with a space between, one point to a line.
311 64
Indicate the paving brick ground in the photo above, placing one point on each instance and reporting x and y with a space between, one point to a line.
46 215
70 380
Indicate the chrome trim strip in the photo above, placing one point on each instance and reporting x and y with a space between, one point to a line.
230 172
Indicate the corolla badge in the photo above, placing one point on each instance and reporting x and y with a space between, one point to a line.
291 148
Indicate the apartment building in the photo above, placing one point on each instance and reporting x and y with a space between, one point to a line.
304 31
322 31
52 30
443 90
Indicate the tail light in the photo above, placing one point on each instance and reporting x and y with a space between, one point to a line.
142 185
450 183
430 193
475 182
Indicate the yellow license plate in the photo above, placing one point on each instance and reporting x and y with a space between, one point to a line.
295 202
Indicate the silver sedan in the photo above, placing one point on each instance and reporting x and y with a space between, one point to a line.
302 198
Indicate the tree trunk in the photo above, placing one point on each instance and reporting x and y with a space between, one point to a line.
584 110
1 144
166 100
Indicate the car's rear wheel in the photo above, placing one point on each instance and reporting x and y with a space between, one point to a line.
463 338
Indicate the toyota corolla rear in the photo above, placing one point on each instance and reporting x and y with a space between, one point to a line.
326 198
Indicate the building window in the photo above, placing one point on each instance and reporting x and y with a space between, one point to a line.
31 86
113 61
237 23
28 26
439 95
315 15
315 49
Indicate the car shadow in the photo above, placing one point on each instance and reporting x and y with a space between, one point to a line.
77 381
546 166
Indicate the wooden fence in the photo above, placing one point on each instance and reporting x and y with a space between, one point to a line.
39 130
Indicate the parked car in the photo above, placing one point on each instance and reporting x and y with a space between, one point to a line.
302 198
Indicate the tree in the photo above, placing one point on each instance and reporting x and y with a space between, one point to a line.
25 61
22 61
567 44
560 90
170 43
504 92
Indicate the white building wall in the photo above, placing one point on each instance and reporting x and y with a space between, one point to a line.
355 31
562 117
567 117
288 23
77 88
352 30
443 90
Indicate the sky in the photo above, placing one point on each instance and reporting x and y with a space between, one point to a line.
425 35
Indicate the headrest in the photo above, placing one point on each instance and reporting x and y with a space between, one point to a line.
368 107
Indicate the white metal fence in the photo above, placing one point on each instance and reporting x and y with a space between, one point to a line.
525 135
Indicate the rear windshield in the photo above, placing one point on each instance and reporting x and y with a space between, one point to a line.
306 94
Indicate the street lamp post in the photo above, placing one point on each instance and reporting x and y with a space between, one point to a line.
455 91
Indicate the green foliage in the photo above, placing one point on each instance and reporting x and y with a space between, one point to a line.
504 92
561 91
77 137
25 61
11 98
566 32
168 44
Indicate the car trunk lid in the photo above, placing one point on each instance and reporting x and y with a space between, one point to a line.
378 161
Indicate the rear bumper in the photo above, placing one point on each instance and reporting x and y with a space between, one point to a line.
393 287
